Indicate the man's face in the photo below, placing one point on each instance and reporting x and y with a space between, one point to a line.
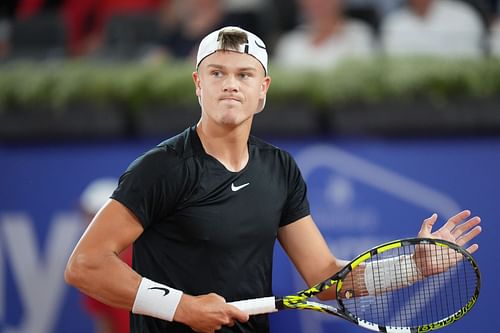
231 87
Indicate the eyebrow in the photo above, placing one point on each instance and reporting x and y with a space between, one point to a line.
241 69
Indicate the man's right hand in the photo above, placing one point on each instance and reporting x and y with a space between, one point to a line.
207 313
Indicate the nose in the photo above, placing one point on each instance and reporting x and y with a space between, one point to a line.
230 84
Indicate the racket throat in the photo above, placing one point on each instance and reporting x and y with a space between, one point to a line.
279 304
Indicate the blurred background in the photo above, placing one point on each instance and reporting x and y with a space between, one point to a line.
390 107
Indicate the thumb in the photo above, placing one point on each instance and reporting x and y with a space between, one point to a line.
426 228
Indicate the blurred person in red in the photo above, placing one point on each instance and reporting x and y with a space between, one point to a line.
86 20
26 9
106 319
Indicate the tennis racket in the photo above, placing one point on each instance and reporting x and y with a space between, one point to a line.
408 285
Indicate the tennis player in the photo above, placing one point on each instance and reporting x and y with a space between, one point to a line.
204 208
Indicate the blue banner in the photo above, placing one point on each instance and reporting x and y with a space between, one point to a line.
362 193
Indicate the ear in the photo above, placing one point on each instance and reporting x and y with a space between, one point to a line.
264 87
263 92
197 84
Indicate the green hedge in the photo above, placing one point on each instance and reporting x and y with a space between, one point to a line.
137 85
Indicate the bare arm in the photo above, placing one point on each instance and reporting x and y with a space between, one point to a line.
95 268
307 249
310 254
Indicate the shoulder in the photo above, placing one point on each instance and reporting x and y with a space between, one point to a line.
292 38
166 155
298 33
183 145
358 27
397 17
263 145
458 12
359 34
271 152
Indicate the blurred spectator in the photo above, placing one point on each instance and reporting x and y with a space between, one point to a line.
77 27
106 319
5 28
87 20
183 26
382 7
325 38
247 14
243 5
35 29
7 12
434 27
28 8
285 15
494 40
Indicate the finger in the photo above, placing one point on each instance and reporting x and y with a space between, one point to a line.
466 226
464 239
456 219
473 248
426 228
228 319
237 314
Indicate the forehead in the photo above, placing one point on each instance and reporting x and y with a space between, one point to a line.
232 60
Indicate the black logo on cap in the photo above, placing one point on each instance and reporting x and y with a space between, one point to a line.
261 46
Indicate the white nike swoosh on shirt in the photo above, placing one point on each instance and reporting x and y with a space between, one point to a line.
237 188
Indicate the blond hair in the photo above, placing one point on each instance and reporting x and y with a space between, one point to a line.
230 40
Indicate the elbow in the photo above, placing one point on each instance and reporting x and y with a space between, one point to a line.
76 271
70 275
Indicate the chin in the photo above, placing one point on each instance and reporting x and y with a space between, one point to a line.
234 121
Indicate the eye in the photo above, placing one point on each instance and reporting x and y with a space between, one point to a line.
216 73
245 75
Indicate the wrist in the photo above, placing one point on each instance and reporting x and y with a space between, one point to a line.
183 309
389 274
156 300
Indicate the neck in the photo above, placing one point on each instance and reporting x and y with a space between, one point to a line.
227 145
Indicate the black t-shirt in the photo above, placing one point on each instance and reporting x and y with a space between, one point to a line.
207 229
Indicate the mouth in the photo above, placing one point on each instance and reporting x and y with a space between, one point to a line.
230 99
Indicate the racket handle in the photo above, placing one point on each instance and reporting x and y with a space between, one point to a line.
256 305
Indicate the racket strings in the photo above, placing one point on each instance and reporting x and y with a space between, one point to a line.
444 283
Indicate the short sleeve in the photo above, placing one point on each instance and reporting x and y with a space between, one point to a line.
149 186
297 204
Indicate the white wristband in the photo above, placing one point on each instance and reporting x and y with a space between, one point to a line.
156 300
390 274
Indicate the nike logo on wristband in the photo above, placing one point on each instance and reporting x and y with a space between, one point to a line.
160 288
235 188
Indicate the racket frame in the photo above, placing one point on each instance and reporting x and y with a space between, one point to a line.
300 299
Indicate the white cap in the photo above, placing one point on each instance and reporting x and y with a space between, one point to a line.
96 193
254 46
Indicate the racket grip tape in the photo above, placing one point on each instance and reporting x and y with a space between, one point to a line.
257 306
